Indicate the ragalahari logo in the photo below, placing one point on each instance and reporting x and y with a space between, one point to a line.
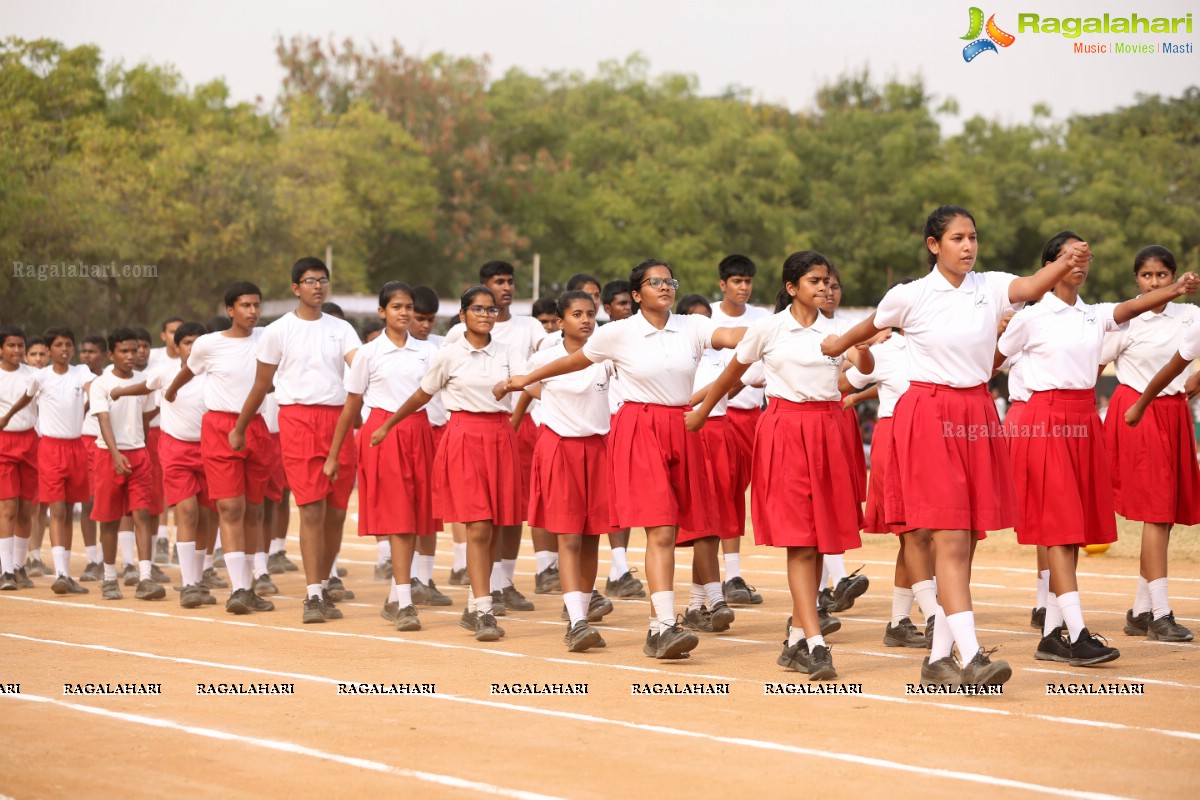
995 36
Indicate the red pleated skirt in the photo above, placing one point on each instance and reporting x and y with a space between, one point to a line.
858 457
569 485
1012 421
527 436
1153 466
950 461
730 475
743 422
801 494
875 516
657 472
476 471
1061 471
394 492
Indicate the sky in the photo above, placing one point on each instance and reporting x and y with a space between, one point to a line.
782 52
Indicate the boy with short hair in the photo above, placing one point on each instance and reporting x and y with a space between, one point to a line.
92 354
18 459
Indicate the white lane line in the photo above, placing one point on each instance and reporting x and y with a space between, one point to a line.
755 744
292 749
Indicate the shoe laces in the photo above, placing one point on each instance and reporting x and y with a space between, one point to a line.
985 655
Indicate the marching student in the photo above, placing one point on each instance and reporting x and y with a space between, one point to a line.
236 478
569 481
1061 468
92 354
475 478
37 355
168 352
18 459
946 480
544 309
158 508
798 498
394 496
658 478
276 499
735 276
305 353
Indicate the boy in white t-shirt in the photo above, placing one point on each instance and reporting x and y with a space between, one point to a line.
93 352
18 459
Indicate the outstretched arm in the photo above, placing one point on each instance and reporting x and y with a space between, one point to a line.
572 363
834 346
731 376
1187 284
1031 288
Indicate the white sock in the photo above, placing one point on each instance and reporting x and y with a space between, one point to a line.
145 568
6 555
1141 599
1054 617
664 607
471 605
902 603
383 551
655 625
483 605
927 599
1043 587
110 572
815 641
314 590
962 626
235 565
714 593
394 592
217 543
425 569
824 582
554 559
544 559
333 569
943 638
61 561
260 564
496 583
837 568
404 594
795 634
733 566
200 563
162 533
1072 613
93 553
509 566
1158 598
20 551
209 560
695 597
576 606
126 541
414 565
460 556
277 546
187 563
248 569
619 565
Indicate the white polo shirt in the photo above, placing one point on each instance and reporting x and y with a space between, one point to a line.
951 332
522 335
435 409
749 397
182 419
656 366
124 414
791 355
1061 343
91 427
575 404
465 376
311 358
891 373
387 375
1018 392
230 365
1189 348
1150 341
13 386
61 400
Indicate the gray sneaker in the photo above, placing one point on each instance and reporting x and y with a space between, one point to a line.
275 565
820 664
157 575
331 610
458 577
93 572
22 578
721 616
259 603
943 672
698 619
829 623
162 551
739 593
213 580
794 657
238 603
192 596
486 629
498 607
420 592
547 581
150 590
599 607
625 586
581 636
66 585
675 642
383 572
389 610
8 582
436 598
338 591
904 634
1137 624
1166 629
982 671
264 585
130 575
515 600
407 620
313 612
110 590
34 567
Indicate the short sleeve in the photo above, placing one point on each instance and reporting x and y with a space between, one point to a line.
1016 335
1104 315
98 400
455 333
359 375
1115 343
603 344
159 379
35 383
756 375
269 349
197 360
754 343
999 283
438 374
857 378
350 340
702 328
892 311
540 359
149 403
1189 348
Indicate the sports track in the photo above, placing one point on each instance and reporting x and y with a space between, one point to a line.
464 741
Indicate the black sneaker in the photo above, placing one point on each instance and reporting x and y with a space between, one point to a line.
420 592
389 610
515 600
338 591
675 642
1166 629
212 579
697 619
486 629
547 581
34 567
721 616
275 565
824 600
982 671
848 589
94 571
599 607
1037 618
625 586
1137 624
794 657
264 585
736 592
929 626
820 664
130 575
943 672
313 612
259 603
219 557
498 607
331 610
1089 650
829 623
288 564
904 634
239 604
342 572
581 636
458 577
407 620
436 598
150 590
191 597
1054 647
109 590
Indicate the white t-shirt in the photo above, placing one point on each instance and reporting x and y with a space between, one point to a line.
1189 348
311 358
91 426
124 414
891 373
749 397
791 355
465 376
157 356
435 409
656 366
387 375
522 335
1061 343
182 419
61 400
1018 392
1150 341
712 364
13 386
270 412
575 404
951 332
230 364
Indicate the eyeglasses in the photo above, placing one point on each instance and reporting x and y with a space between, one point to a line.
658 283
311 282
484 311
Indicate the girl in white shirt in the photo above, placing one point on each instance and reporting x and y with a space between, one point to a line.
1153 465
952 464
475 470
1061 467
801 496
658 477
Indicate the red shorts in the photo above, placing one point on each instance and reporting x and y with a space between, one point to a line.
116 495
235 473
569 485
657 471
475 471
1153 466
950 466
18 465
89 448
394 494
727 469
801 494
158 500
743 421
277 483
305 434
1061 471
527 437
183 471
874 518
858 458
64 471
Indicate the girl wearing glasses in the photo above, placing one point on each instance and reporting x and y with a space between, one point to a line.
475 470
657 475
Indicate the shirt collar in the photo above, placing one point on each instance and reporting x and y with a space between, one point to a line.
1054 304
822 324
938 282
490 349
1170 311
674 324
386 345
